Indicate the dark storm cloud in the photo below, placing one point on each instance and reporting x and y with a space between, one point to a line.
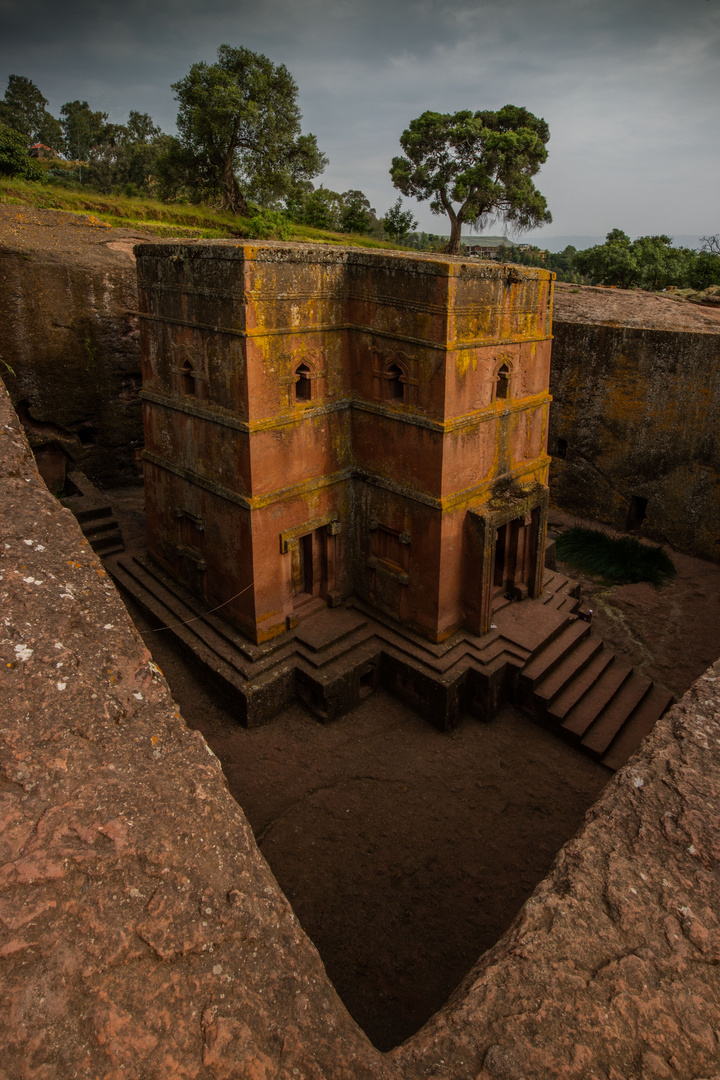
630 89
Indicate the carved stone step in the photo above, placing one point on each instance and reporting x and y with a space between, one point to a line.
612 718
639 725
549 656
568 669
599 695
577 687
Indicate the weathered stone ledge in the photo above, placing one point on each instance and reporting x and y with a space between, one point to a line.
143 935
598 305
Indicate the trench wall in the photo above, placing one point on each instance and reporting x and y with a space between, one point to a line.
70 343
639 411
143 934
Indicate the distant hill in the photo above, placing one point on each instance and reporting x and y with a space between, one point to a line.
559 243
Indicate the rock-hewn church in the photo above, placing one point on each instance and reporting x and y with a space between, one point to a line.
322 422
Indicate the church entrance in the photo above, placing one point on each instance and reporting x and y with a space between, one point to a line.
515 555
310 568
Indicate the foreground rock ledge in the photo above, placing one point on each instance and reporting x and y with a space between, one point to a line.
143 935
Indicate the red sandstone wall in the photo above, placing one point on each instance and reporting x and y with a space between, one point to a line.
227 536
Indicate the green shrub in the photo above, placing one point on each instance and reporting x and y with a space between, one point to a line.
269 225
14 160
619 560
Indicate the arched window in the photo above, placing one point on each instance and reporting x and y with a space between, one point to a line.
303 384
394 383
187 379
502 389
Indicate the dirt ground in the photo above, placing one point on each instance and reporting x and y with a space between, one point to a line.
406 852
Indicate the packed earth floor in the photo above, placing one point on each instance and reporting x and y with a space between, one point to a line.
405 852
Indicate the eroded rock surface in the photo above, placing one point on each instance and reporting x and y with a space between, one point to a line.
597 305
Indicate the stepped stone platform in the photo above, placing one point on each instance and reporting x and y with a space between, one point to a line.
539 653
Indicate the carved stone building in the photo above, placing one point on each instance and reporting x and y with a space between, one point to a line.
323 422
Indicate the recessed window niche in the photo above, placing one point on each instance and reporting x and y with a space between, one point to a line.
303 383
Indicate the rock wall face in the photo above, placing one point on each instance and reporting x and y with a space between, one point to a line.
142 933
70 345
635 381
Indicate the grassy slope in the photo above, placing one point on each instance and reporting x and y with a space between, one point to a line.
161 219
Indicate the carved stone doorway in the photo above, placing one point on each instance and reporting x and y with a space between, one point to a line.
515 555
505 545
310 568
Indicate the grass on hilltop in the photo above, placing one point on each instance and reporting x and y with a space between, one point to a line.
163 219
616 560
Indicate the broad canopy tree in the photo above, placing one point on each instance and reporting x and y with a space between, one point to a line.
239 126
484 161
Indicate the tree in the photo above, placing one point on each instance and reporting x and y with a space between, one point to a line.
141 144
397 222
711 243
319 207
126 155
83 129
484 161
705 270
611 263
322 208
649 261
357 215
239 126
660 263
14 160
25 110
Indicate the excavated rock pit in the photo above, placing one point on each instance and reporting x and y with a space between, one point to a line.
142 933
406 852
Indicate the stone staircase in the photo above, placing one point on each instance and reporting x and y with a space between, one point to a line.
576 686
94 515
539 653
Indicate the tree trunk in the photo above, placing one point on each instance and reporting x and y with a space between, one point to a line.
453 245
232 197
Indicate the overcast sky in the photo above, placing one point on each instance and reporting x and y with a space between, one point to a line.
630 88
